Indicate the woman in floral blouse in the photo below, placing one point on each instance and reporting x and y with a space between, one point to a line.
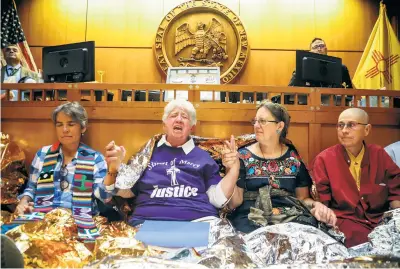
273 179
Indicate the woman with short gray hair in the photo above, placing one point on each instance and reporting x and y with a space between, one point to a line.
181 181
74 110
186 105
66 174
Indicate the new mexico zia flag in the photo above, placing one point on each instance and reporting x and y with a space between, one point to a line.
380 63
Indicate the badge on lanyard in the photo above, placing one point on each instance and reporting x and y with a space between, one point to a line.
12 79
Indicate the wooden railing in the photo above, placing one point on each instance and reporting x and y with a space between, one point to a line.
244 93
135 111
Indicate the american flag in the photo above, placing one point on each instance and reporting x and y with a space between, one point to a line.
12 33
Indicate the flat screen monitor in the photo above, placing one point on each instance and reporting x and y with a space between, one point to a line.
318 69
69 62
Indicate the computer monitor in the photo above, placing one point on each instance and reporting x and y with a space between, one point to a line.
69 62
318 69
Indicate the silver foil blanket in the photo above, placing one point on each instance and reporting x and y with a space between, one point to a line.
384 239
141 263
227 248
290 243
129 174
279 246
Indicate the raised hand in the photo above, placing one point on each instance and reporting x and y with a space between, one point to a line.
230 156
114 156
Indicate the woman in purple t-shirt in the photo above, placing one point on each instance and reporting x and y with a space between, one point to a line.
181 181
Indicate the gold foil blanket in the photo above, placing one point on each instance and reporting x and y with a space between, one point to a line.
13 171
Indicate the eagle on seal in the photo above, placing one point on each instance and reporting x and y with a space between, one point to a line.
203 40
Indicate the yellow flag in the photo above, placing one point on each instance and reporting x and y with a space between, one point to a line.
380 63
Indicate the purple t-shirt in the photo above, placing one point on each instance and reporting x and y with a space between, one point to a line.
174 185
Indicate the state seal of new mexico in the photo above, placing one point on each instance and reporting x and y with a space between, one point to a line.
202 33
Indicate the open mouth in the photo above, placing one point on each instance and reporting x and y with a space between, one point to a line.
178 128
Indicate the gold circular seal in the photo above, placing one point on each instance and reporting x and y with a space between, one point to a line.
202 33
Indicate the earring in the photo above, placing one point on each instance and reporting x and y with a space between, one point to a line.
278 131
82 134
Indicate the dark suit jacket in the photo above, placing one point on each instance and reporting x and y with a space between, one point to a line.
25 72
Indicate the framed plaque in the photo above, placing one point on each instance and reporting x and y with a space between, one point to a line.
193 75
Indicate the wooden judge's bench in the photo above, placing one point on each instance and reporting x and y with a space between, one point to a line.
134 113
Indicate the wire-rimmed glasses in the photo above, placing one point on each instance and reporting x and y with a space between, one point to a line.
350 125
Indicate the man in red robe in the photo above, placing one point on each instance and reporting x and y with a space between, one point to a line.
358 181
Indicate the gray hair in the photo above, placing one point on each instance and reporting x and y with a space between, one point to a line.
74 110
181 103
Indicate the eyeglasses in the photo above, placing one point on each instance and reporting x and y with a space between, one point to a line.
350 125
64 183
262 122
318 46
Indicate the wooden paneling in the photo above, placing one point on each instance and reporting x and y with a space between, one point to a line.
127 65
285 24
233 5
383 135
298 134
223 129
131 134
47 23
37 56
132 123
124 32
380 135
123 23
345 24
266 67
30 135
329 133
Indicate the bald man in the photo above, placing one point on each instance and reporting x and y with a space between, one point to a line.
358 181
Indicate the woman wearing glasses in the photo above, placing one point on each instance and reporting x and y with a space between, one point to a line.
273 178
66 174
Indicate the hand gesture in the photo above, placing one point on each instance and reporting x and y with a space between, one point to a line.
230 156
114 156
324 214
24 207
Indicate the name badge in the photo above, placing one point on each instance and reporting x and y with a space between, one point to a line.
12 79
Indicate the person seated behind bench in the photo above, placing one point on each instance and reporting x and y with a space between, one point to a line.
181 181
67 173
318 45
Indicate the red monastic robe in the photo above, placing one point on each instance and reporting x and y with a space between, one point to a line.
358 212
